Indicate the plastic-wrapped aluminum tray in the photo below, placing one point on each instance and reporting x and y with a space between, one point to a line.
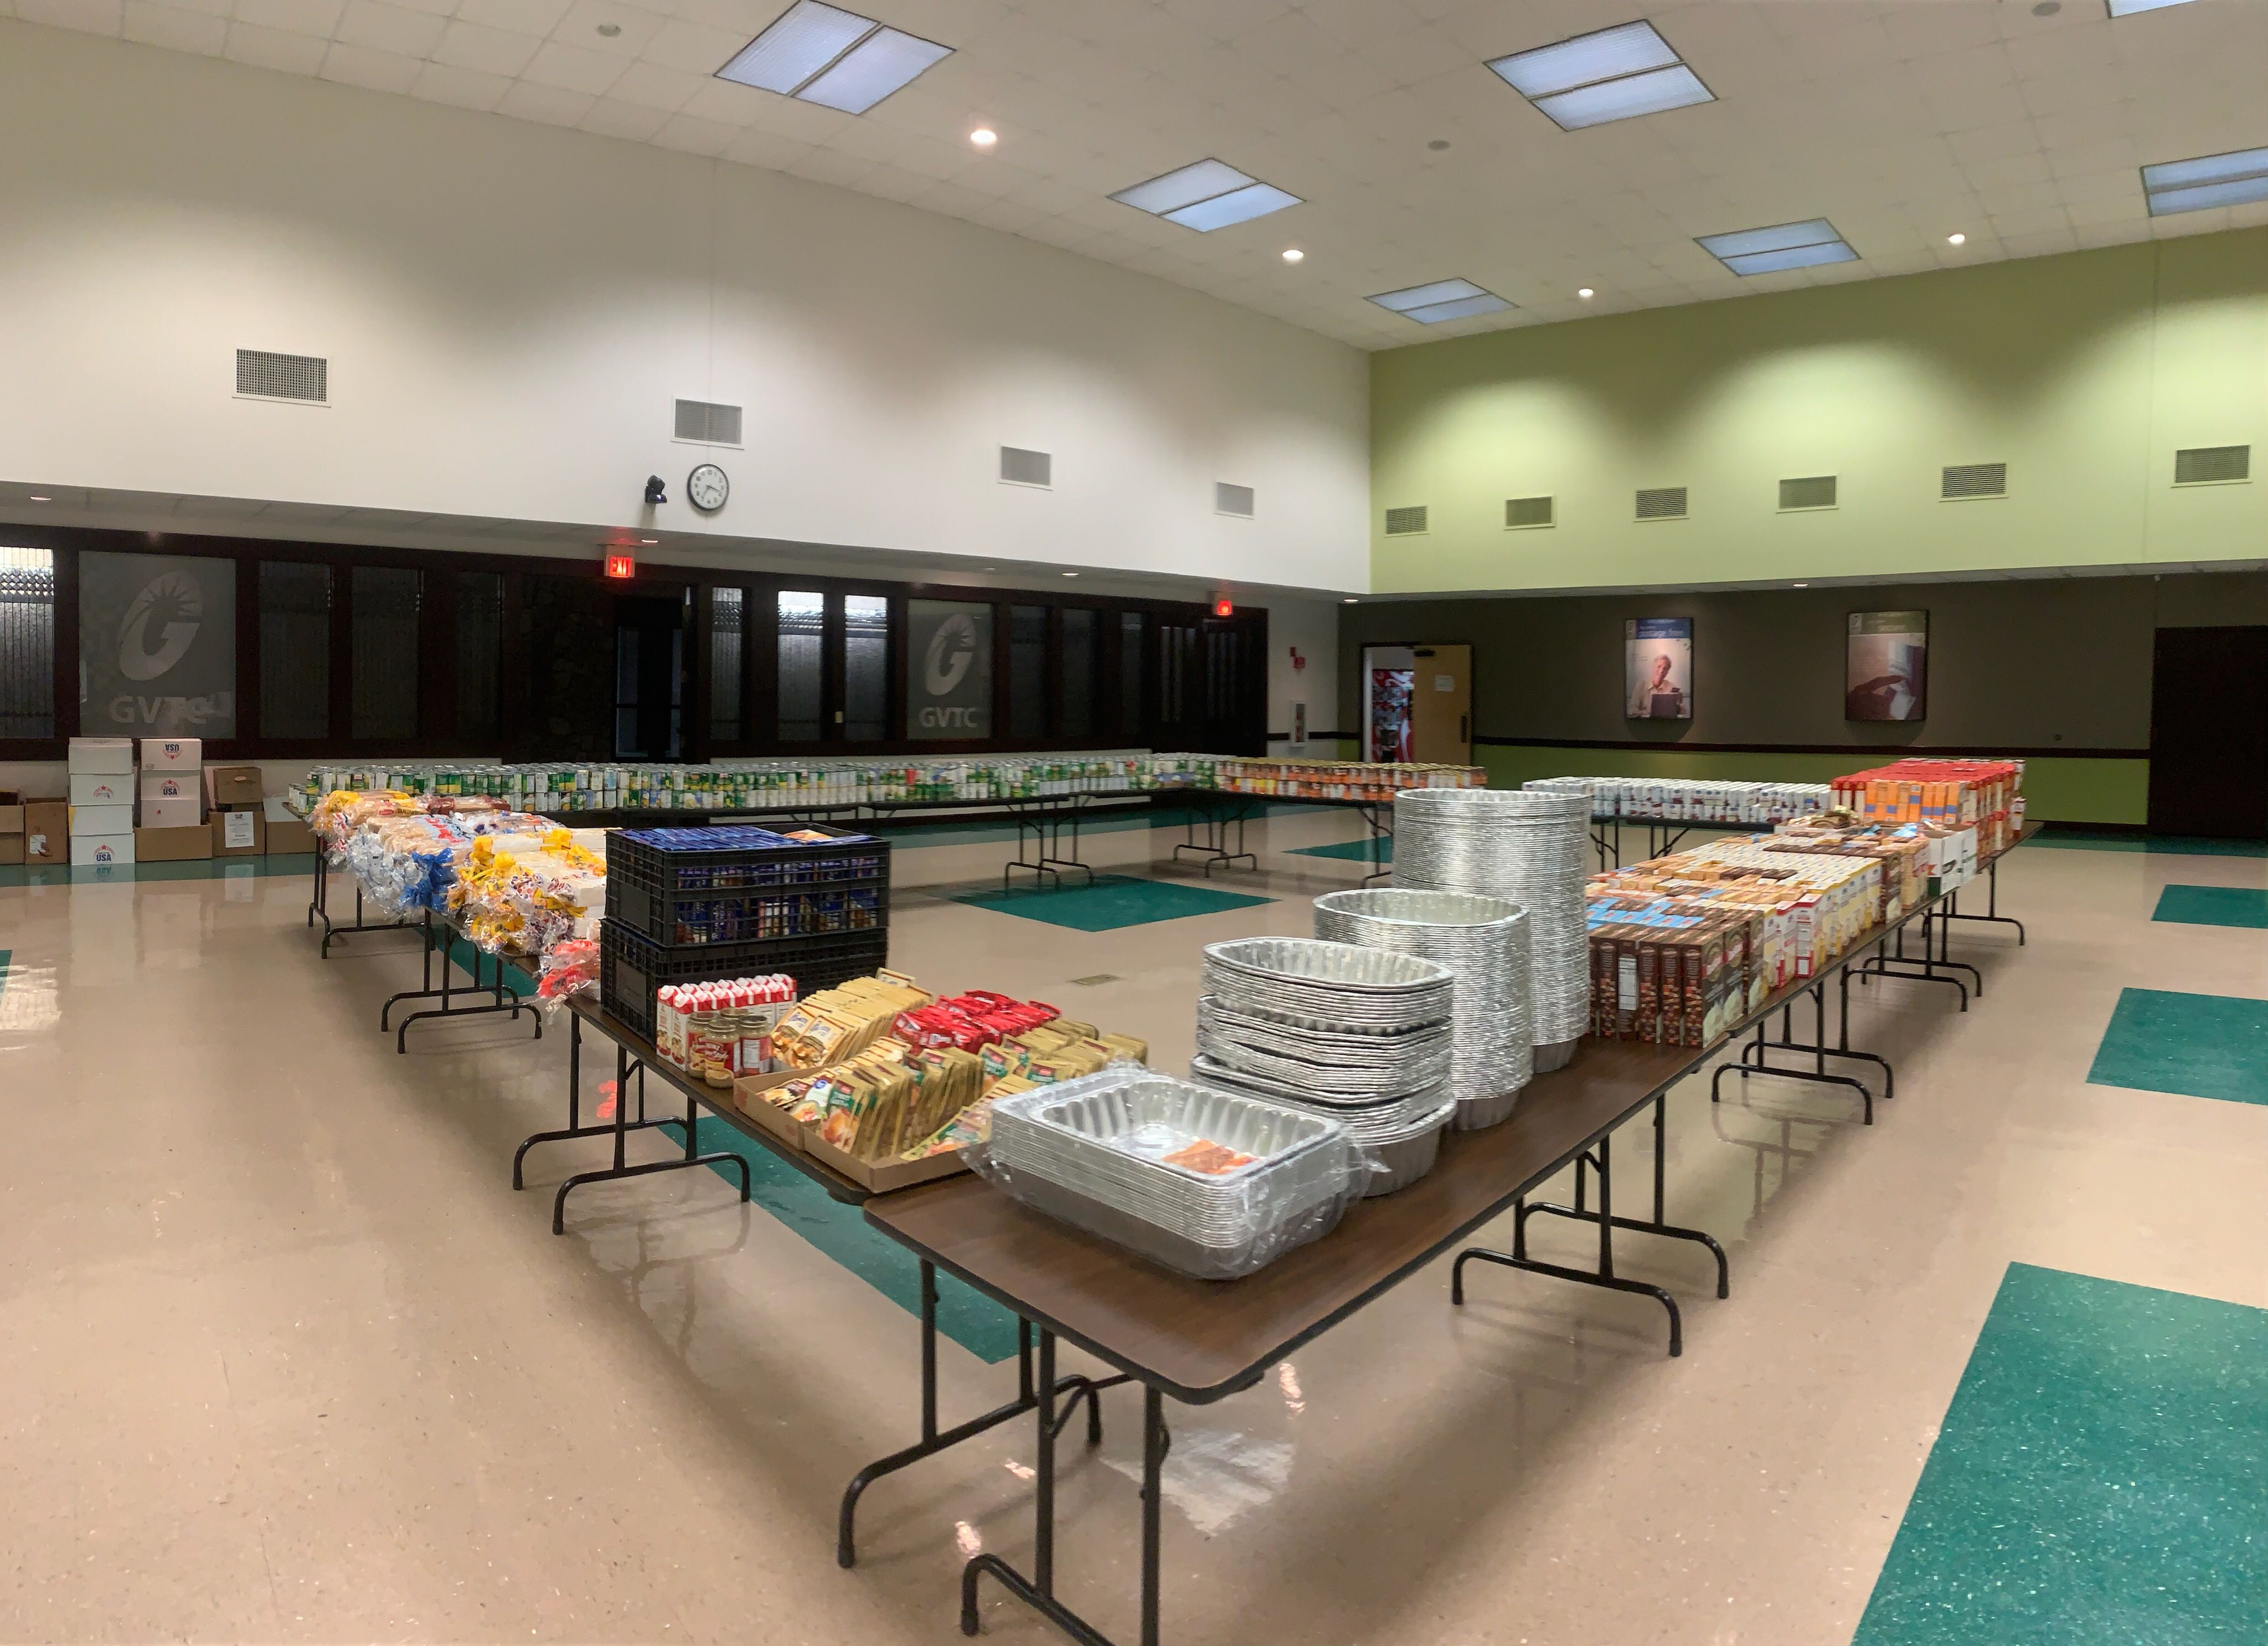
1335 986
1320 1062
1333 965
1091 1151
1397 1163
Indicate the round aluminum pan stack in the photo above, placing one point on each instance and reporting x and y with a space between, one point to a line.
1362 1036
1484 941
1529 847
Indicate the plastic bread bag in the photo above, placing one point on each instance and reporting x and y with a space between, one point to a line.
1211 1184
568 969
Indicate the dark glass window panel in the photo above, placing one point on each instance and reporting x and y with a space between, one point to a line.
386 673
480 655
728 635
802 634
1027 671
28 642
1131 719
295 649
866 668
1078 672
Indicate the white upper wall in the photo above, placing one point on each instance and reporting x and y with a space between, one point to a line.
510 310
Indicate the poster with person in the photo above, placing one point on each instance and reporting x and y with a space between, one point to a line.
1886 672
1658 668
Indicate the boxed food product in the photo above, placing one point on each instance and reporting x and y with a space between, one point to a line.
172 753
100 850
180 844
115 819
102 788
238 832
105 756
232 785
170 799
47 832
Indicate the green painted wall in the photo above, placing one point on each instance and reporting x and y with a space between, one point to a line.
2083 372
2056 790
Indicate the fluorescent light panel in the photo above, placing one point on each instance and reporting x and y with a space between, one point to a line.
821 54
1614 74
2127 7
1441 300
1783 246
1211 194
2213 180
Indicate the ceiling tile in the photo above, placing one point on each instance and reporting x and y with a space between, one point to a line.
571 69
172 26
520 17
274 48
553 105
465 88
89 17
389 28
649 86
372 70
301 17
637 122
491 50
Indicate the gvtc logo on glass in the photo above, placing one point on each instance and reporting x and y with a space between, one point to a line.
951 682
156 646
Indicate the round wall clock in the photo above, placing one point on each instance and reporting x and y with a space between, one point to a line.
708 488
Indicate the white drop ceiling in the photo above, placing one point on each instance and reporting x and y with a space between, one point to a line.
1901 121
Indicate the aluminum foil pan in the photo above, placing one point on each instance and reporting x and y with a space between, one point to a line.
1483 941
1398 1161
1377 1117
1329 965
1528 846
1477 1114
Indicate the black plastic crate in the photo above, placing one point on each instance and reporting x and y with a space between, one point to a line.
749 892
632 967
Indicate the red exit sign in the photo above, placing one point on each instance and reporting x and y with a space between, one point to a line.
1224 608
621 565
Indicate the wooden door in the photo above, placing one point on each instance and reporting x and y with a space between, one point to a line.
1441 705
2209 734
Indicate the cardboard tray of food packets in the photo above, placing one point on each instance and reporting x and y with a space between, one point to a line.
883 1081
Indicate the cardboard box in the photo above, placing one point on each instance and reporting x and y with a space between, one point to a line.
192 845
287 835
101 819
12 818
47 832
240 833
102 788
172 799
232 785
11 850
172 753
104 757
100 850
880 1177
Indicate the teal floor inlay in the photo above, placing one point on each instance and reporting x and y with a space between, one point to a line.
2198 1045
2213 905
2100 1478
127 873
2175 846
968 1316
1113 901
1358 851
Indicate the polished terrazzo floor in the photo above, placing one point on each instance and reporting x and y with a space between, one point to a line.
287 1360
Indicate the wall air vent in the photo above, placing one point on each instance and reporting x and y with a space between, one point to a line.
1661 503
1520 513
1020 467
301 377
1813 491
1228 499
2211 465
707 424
1406 522
1974 480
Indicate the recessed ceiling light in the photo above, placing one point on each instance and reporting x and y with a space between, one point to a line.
1440 300
648 542
1211 194
1293 254
39 497
2127 7
1956 239
1801 585
1438 144
1071 574
1348 600
835 58
1784 246
2235 179
1614 74
984 137
1583 291
609 30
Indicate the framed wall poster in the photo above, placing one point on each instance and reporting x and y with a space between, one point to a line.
157 646
1887 668
1658 668
949 670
